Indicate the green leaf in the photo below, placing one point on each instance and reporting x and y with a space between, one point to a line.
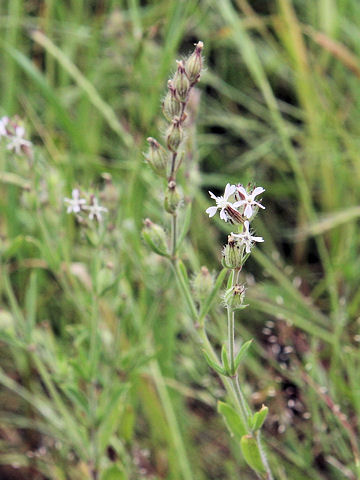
242 352
232 419
259 418
251 453
214 365
230 280
151 244
225 361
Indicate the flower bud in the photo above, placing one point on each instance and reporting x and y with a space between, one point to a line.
202 284
234 297
174 135
193 64
233 254
171 105
181 82
155 237
157 157
172 198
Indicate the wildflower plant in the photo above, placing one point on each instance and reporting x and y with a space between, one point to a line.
237 206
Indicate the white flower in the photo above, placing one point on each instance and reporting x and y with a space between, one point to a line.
222 202
248 199
3 123
95 210
246 238
75 204
17 141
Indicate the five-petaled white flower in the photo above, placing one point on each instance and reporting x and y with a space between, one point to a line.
75 204
95 210
3 123
246 238
222 202
17 141
248 199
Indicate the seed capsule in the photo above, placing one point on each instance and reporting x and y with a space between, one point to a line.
157 157
181 82
233 254
234 297
175 135
171 105
193 64
172 198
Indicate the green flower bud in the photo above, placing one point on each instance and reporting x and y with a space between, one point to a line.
202 284
172 198
234 297
181 82
157 157
171 105
155 237
193 64
174 135
233 254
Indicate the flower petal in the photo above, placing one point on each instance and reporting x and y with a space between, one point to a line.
257 239
229 190
223 215
241 190
259 205
248 211
212 195
257 191
211 211
238 204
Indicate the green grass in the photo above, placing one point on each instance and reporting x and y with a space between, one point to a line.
97 345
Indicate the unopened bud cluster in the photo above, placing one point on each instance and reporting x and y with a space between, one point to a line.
163 161
166 159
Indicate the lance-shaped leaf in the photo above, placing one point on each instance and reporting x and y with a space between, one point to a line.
232 420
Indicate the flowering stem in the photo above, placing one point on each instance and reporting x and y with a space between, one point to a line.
231 333
173 234
172 171
231 338
232 386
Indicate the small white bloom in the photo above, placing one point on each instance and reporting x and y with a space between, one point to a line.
75 204
248 199
3 123
246 238
95 210
222 202
17 141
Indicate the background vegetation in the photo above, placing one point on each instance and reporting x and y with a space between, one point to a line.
100 374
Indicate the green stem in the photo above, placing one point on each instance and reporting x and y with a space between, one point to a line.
231 338
232 386
173 234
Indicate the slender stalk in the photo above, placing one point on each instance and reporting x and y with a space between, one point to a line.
231 338
173 235
263 456
172 170
232 386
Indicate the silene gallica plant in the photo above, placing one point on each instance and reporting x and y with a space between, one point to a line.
238 206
